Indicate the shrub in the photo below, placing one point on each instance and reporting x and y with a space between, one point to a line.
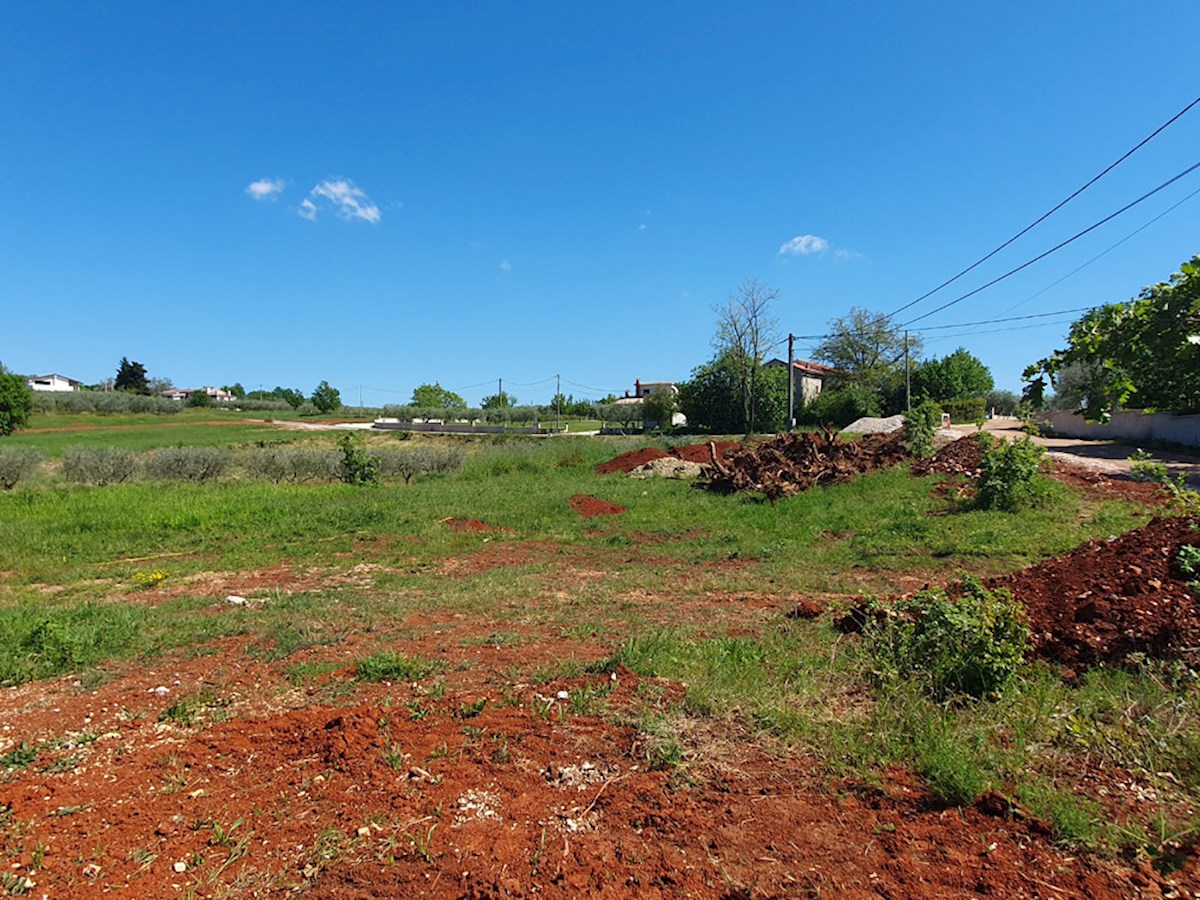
199 399
1146 468
972 410
356 467
103 402
189 463
15 465
99 465
971 645
409 462
292 465
388 665
920 425
840 405
1009 480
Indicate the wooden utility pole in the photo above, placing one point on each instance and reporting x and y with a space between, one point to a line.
907 377
791 415
557 402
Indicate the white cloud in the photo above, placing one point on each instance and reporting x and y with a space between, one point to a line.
346 198
642 227
266 188
505 266
804 245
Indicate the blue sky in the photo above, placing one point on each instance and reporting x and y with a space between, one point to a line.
384 194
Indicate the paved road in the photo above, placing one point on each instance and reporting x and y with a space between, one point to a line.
1105 455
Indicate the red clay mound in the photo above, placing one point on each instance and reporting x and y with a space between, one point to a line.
469 525
627 462
1108 599
961 457
698 453
589 506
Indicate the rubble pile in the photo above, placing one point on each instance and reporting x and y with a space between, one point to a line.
796 462
961 457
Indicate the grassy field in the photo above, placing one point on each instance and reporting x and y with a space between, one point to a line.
340 564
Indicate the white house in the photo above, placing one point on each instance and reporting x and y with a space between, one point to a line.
53 382
646 388
809 378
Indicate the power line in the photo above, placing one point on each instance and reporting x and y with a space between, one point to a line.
1103 253
1056 247
1047 215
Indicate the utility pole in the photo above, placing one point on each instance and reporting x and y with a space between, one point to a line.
557 402
360 403
500 392
791 416
907 377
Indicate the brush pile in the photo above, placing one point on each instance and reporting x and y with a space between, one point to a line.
796 462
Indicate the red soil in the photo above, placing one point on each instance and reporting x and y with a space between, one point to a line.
697 453
469 526
588 506
1109 599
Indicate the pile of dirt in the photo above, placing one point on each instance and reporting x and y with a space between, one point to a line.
875 425
1112 598
627 462
589 507
961 457
635 459
468 526
792 463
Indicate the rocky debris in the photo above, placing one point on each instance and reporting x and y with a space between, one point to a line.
589 507
875 425
1112 600
792 463
961 457
669 467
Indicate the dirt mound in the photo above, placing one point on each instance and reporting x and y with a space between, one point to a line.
634 459
1109 599
589 507
961 457
469 525
1107 485
700 453
627 462
796 462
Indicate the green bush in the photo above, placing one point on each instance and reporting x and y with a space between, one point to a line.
292 465
356 467
970 645
972 410
189 463
199 399
103 402
99 465
920 425
16 464
388 665
840 405
1010 476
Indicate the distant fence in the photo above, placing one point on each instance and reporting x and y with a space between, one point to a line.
460 428
1130 427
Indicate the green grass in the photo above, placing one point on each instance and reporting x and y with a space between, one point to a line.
70 602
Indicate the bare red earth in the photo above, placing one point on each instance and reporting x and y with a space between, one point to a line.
589 507
1108 599
698 453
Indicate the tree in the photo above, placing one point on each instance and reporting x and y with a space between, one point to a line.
502 400
131 376
957 376
236 389
436 396
326 398
868 350
712 398
291 396
658 408
199 399
745 329
1143 354
1003 402
16 402
156 386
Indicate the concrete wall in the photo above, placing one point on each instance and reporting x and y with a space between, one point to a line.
1130 427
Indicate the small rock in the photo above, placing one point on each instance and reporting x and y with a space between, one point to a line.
91 870
160 690
563 695
364 831
180 866
236 600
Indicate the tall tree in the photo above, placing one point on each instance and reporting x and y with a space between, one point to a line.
131 376
745 329
868 349
326 398
502 400
436 396
956 376
16 402
1147 350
